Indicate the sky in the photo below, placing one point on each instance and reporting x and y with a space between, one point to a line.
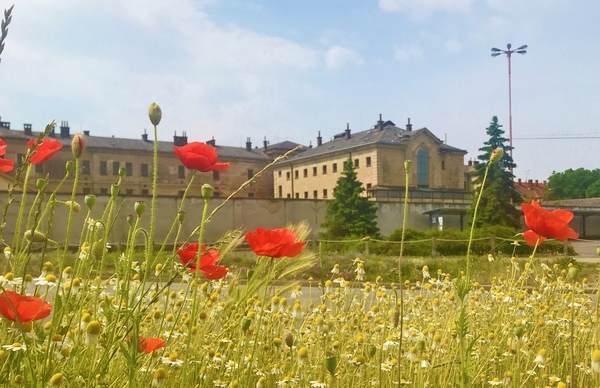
286 69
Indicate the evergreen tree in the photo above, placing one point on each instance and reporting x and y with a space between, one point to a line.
349 213
500 196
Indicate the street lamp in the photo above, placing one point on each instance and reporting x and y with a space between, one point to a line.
508 52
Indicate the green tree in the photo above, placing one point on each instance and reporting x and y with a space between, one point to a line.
500 196
349 213
580 183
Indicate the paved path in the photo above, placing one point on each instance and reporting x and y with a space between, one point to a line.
586 250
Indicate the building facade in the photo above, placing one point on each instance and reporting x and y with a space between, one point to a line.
104 156
378 156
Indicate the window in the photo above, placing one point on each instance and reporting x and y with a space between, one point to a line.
104 191
296 174
181 172
289 195
368 186
297 195
103 167
216 175
129 169
355 163
19 160
443 165
314 171
217 194
39 168
280 191
250 174
115 168
306 194
86 190
324 169
279 173
181 192
324 193
315 194
250 195
144 171
334 167
305 172
287 175
85 167
129 192
368 161
422 168
144 191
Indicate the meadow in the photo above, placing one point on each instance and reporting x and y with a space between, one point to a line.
184 313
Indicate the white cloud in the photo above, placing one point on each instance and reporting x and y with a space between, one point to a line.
338 56
425 5
453 45
408 52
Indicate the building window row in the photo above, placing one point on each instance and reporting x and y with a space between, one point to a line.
324 169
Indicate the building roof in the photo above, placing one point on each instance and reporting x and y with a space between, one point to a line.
531 189
390 135
125 144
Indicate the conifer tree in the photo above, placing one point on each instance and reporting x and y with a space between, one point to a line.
500 196
349 213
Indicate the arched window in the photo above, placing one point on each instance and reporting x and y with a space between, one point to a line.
422 168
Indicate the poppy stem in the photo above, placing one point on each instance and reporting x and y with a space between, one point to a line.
17 232
153 204
487 169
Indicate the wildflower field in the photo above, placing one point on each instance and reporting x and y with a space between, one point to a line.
184 317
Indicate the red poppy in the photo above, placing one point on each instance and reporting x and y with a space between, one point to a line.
44 151
6 165
275 243
188 256
546 224
149 345
199 156
21 308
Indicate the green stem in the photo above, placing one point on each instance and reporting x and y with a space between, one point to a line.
17 233
404 218
487 168
153 205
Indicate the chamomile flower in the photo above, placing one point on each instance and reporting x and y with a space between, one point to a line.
15 347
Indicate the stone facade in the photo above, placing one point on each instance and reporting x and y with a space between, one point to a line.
378 155
105 155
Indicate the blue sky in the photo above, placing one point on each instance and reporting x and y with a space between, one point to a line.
287 69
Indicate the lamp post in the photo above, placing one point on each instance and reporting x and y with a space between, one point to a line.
508 52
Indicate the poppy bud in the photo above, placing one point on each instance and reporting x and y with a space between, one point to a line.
78 145
56 379
130 219
207 191
288 337
70 166
372 349
155 113
74 206
98 249
90 200
181 216
35 236
246 324
122 171
497 154
41 184
114 190
407 164
519 331
598 251
573 272
331 363
139 207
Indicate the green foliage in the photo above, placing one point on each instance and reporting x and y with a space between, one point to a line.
579 183
4 27
349 213
499 198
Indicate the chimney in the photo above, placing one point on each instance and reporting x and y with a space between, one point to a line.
319 140
530 182
265 143
64 129
5 124
144 135
179 141
86 133
519 181
310 144
544 183
470 162
248 144
380 123
347 131
536 182
211 142
408 125
52 133
27 130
